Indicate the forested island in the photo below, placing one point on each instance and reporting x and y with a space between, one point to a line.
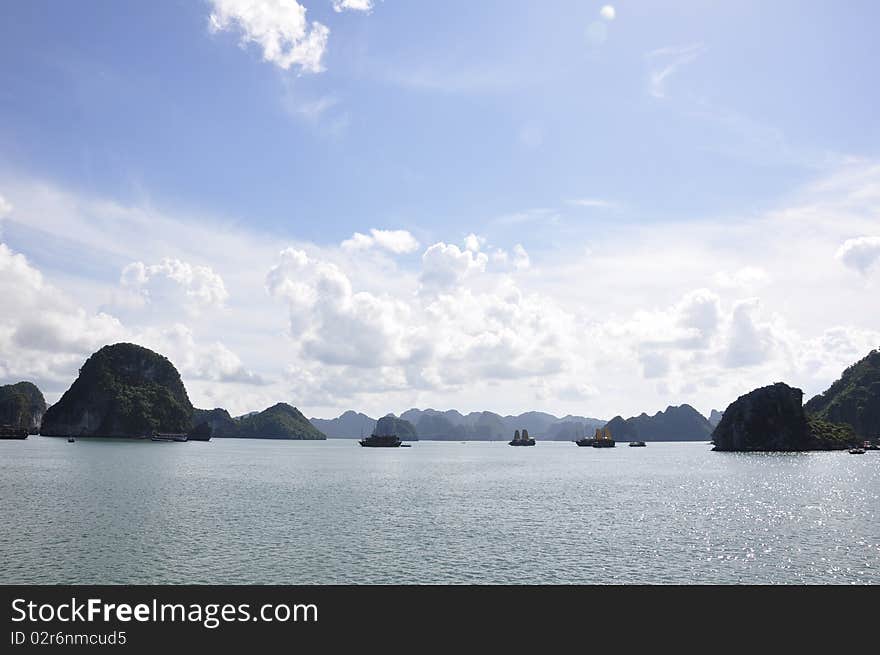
126 390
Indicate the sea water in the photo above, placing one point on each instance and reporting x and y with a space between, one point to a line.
296 512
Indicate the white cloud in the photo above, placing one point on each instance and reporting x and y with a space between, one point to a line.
446 265
520 257
620 331
278 27
751 341
665 63
398 242
334 324
607 12
352 5
861 253
199 286
42 333
212 361
473 243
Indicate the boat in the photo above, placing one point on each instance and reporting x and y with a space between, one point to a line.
13 432
521 439
870 445
169 436
381 441
603 439
856 451
588 441
637 444
70 439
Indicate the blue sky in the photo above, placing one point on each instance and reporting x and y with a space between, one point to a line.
626 152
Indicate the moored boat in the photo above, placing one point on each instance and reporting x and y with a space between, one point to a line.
856 451
13 432
381 441
637 444
521 439
603 439
588 441
169 436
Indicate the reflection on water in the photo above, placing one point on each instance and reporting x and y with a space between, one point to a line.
246 511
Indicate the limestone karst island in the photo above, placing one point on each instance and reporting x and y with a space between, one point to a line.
128 391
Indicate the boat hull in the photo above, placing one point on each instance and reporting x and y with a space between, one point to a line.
385 441
8 432
522 442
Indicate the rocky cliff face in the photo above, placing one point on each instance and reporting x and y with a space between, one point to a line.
123 390
22 405
218 420
770 418
390 424
854 399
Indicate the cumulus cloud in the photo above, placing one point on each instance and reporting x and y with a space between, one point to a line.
278 27
398 242
751 341
352 5
43 335
474 243
445 339
446 265
212 361
333 323
166 281
521 258
337 331
860 254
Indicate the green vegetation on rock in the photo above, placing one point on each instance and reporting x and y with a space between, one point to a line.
280 421
854 399
123 390
825 435
22 405
218 419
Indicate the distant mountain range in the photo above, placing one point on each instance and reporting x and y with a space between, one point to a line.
452 425
682 423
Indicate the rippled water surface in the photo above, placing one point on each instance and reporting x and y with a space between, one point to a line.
249 511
